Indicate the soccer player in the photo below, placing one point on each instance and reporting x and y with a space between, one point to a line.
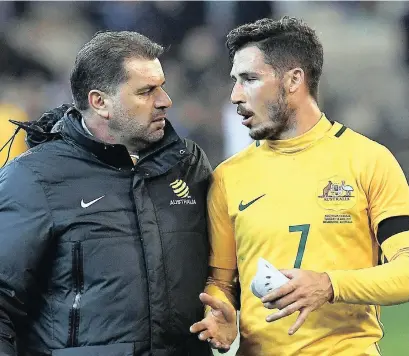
315 199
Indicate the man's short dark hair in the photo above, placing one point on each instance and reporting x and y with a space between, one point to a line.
286 44
99 64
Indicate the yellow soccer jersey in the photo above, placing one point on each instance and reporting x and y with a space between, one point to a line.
313 202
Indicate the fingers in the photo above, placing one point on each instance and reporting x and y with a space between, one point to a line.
300 320
280 292
221 348
290 273
212 302
198 327
214 343
282 302
204 335
285 289
291 309
219 308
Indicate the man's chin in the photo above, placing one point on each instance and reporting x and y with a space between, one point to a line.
156 136
266 132
260 133
143 143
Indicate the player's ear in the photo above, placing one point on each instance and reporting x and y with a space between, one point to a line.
295 78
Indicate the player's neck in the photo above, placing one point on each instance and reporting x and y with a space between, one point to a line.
305 118
309 126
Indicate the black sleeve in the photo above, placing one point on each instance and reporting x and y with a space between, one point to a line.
392 226
26 226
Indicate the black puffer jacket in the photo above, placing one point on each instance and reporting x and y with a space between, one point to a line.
99 257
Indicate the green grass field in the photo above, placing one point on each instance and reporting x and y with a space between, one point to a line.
396 323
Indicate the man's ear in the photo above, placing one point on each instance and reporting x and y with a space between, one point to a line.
99 102
295 79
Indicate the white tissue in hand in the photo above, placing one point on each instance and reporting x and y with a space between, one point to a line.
266 279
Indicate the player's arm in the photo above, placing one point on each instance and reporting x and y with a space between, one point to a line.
220 297
223 284
222 281
388 201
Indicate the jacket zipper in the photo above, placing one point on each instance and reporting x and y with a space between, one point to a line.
139 234
78 276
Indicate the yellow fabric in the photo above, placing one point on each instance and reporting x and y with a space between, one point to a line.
325 191
7 129
387 284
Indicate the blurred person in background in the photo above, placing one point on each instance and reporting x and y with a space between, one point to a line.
327 206
106 213
9 111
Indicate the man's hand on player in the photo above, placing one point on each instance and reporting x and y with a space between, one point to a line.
305 292
219 326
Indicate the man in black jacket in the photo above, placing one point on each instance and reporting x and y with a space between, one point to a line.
103 246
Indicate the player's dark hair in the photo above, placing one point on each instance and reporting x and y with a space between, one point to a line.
99 64
286 44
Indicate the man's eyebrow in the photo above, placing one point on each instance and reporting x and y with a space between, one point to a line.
244 74
151 86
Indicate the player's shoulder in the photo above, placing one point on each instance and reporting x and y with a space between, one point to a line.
239 161
358 143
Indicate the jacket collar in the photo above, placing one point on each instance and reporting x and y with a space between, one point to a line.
156 159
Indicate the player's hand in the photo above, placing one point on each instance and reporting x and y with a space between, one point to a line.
305 292
219 326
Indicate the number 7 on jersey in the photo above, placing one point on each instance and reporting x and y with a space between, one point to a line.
304 229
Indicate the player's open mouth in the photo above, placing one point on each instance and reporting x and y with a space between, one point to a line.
246 120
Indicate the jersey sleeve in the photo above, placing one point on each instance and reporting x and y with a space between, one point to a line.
380 285
388 209
221 231
386 188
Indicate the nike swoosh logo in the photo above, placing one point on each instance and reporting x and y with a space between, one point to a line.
86 205
245 206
